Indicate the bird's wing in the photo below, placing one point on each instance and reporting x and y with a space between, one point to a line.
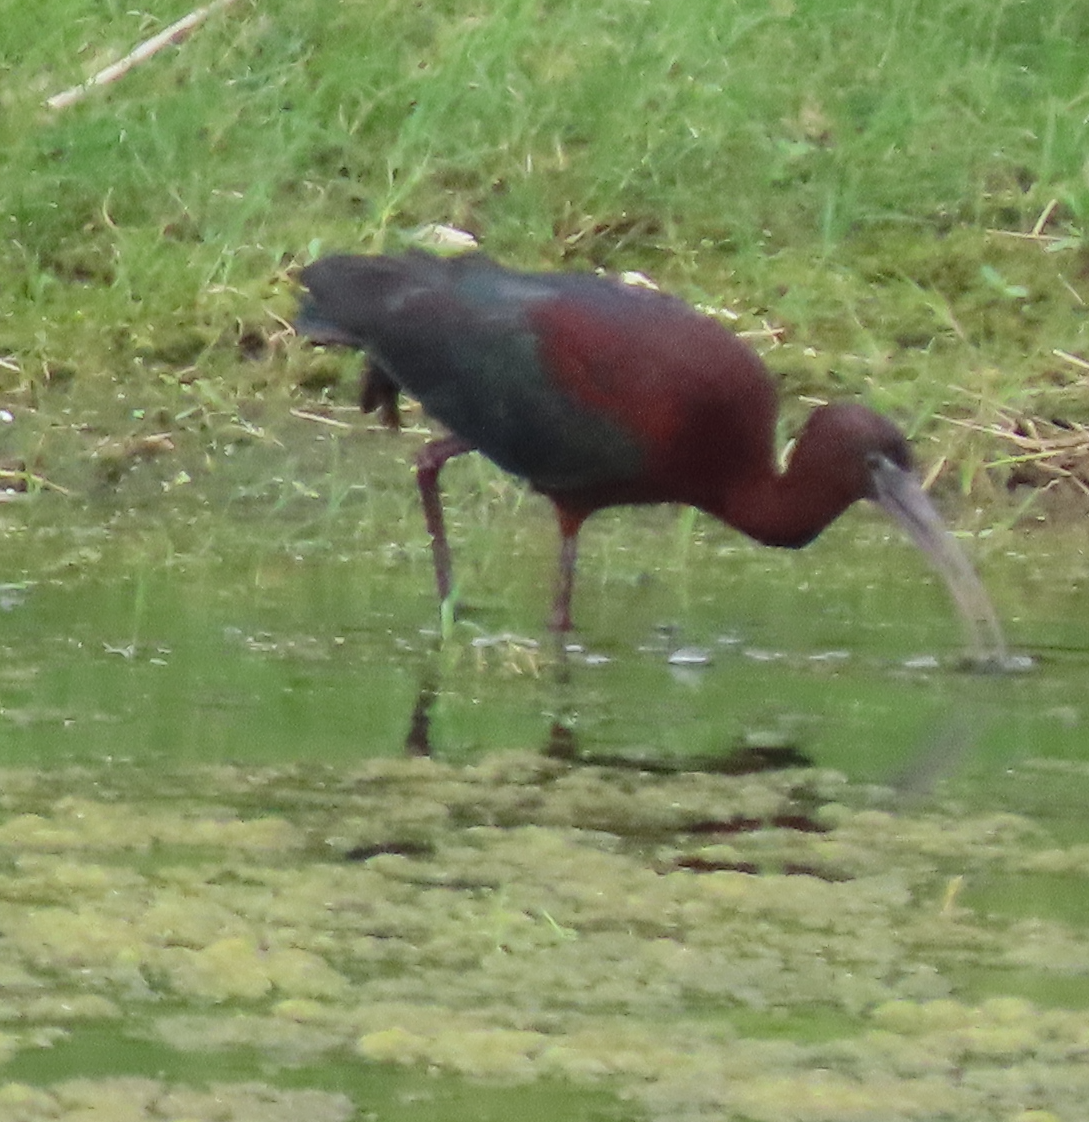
572 381
699 403
455 335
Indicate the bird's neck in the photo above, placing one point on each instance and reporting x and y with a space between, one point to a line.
782 509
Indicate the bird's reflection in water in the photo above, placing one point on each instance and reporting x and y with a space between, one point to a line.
562 741
560 714
418 739
945 747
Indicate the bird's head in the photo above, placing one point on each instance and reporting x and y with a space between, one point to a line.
851 449
867 457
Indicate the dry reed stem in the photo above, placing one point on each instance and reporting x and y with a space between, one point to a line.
1060 451
175 33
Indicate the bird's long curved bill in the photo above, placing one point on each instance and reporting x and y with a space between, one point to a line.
899 493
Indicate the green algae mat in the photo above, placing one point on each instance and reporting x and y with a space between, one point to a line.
527 936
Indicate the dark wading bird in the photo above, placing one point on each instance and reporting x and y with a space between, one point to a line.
601 394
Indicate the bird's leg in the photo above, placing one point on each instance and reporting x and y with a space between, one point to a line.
429 462
570 524
561 738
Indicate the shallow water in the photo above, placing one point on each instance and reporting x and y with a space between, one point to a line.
284 626
256 638
846 652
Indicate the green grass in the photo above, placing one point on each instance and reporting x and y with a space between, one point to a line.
854 174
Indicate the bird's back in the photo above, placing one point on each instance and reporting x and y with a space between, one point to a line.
582 385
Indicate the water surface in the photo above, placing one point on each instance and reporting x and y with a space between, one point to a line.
202 691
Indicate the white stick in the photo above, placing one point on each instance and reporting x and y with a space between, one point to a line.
173 34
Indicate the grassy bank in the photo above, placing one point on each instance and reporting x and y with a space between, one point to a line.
893 197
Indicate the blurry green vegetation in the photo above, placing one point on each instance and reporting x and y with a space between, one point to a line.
899 191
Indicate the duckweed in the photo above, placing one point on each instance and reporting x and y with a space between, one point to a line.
134 1100
523 919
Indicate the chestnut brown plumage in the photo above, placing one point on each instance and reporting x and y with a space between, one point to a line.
600 394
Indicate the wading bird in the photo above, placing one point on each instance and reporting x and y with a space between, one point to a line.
601 394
